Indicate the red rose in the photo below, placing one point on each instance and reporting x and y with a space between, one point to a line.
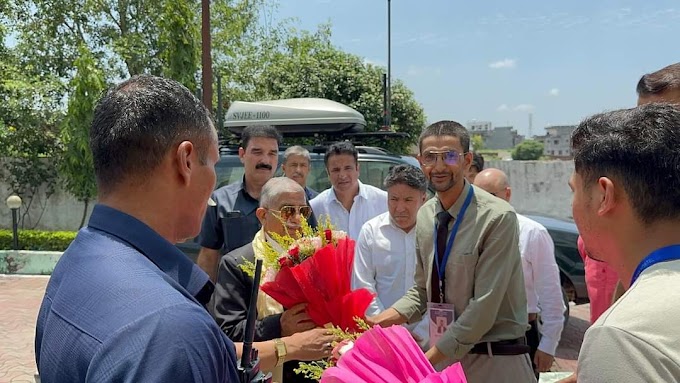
329 235
294 252
285 261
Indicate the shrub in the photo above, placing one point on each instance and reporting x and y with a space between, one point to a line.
528 150
38 240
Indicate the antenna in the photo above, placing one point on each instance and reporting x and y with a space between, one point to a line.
249 369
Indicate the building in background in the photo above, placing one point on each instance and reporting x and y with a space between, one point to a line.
556 142
499 138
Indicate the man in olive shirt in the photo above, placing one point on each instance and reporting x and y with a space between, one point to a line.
481 278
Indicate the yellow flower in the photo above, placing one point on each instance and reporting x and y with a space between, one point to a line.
271 255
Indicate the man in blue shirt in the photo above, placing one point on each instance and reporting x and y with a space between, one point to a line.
123 303
232 223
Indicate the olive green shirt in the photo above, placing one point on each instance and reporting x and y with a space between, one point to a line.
484 279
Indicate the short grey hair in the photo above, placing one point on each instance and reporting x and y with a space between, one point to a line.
296 150
275 187
408 175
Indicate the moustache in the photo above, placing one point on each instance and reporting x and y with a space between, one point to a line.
263 166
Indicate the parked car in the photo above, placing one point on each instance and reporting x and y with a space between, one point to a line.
572 273
374 164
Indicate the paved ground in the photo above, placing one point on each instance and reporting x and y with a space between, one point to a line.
20 299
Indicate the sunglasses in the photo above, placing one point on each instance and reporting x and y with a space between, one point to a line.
288 212
450 157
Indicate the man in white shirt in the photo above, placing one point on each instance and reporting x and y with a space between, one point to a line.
349 203
385 254
541 276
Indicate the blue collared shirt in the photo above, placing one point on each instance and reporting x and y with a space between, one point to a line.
120 306
232 223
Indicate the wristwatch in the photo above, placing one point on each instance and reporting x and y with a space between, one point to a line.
280 351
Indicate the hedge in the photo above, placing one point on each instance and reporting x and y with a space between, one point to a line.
38 240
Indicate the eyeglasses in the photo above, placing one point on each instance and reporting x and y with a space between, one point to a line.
288 212
450 157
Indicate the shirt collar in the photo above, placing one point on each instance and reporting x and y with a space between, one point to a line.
454 210
157 249
245 202
363 193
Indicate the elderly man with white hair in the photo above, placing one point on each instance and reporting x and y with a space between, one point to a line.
282 206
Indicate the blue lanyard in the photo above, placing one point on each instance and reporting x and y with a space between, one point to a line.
664 254
441 269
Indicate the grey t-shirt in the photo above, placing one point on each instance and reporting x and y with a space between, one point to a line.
638 338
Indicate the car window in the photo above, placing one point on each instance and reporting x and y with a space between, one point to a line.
229 170
374 172
371 172
566 252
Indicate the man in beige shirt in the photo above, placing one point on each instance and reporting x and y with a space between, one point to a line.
626 204
482 278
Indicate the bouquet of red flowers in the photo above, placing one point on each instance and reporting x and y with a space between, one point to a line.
316 269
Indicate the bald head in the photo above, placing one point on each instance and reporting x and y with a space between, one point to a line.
494 181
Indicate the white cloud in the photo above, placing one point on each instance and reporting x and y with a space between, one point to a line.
375 62
505 63
503 108
554 92
523 108
414 71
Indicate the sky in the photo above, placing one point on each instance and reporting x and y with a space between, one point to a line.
501 60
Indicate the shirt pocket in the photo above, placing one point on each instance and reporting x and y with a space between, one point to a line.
463 276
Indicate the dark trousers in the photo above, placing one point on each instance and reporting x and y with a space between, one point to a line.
533 339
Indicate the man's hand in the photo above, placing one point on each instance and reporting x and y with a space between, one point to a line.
386 318
314 344
543 361
435 356
295 320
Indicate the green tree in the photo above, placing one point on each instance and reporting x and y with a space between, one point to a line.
477 142
528 150
128 37
179 42
76 166
29 115
308 65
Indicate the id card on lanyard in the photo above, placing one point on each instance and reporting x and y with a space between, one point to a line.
442 314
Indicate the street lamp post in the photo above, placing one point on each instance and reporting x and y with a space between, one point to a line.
14 203
389 64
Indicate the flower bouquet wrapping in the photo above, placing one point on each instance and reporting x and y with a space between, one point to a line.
315 269
387 355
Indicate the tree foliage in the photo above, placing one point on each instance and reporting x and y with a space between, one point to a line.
308 65
477 142
29 115
529 150
179 42
76 167
45 66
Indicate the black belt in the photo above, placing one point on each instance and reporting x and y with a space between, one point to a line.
502 347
